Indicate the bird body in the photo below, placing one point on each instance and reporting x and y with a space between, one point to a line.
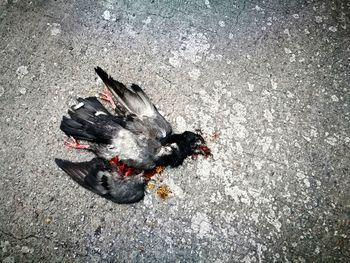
136 135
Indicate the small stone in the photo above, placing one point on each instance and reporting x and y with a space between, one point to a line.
106 15
147 20
334 98
331 141
230 36
25 250
21 71
48 220
332 29
257 8
250 86
296 16
292 58
307 183
287 50
286 31
207 3
289 94
54 119
318 19
221 23
55 30
23 91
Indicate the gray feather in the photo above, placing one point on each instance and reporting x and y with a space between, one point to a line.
136 102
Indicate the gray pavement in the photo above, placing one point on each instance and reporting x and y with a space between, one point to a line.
266 81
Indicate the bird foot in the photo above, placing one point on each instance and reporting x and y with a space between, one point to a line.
73 143
107 96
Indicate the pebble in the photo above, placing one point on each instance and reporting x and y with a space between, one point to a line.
106 15
22 71
23 91
332 29
25 250
318 19
221 23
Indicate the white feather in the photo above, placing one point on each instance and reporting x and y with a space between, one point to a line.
78 106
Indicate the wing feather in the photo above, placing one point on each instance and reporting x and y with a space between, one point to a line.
136 102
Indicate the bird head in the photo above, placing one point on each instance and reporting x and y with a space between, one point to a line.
176 147
196 144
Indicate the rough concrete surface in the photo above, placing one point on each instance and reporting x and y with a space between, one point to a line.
266 81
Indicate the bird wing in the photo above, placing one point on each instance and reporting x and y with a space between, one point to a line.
135 101
91 121
98 176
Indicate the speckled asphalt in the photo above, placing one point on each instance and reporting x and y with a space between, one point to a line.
266 81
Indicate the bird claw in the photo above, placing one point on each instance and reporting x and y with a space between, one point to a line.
107 96
73 143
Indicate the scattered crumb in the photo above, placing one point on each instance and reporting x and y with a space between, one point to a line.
163 191
160 169
151 186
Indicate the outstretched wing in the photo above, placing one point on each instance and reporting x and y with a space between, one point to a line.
135 101
97 176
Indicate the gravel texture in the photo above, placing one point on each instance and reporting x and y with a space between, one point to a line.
266 81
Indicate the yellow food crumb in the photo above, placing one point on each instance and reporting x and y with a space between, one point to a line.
163 191
160 169
151 186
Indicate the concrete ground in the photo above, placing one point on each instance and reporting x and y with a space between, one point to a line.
266 81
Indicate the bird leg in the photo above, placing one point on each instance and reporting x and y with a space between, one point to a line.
107 96
73 143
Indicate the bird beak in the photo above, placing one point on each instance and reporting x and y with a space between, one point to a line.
204 150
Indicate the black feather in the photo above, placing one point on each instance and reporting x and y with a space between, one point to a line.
99 177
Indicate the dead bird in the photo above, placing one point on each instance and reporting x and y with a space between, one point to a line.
136 133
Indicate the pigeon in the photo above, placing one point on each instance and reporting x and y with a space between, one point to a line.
103 178
136 132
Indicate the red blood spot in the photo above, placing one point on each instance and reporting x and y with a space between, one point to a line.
129 172
123 169
205 151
